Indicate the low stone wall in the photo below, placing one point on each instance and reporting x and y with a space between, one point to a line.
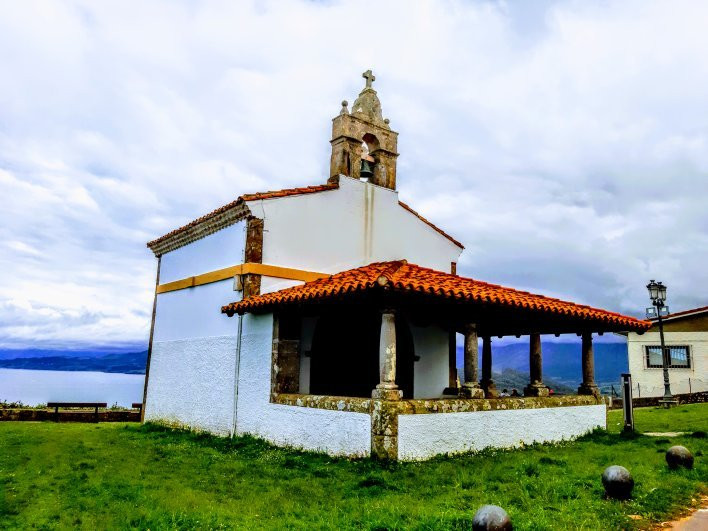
333 403
649 401
38 415
449 425
421 437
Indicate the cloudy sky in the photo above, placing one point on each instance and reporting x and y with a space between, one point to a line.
565 143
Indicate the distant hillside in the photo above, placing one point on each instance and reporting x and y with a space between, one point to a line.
97 352
122 362
510 379
561 361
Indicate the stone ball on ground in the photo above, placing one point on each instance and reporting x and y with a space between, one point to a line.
618 482
677 456
491 518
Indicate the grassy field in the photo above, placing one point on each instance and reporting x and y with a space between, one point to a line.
126 475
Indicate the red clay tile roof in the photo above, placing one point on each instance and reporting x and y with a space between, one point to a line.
453 240
404 277
242 199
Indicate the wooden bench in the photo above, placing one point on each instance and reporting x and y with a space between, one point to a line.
85 405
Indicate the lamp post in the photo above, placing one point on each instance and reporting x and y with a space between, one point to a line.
657 294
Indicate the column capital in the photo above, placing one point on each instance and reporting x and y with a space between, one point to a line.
468 328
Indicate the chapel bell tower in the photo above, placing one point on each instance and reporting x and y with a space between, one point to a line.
363 144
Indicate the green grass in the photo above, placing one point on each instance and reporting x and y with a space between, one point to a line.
126 475
687 418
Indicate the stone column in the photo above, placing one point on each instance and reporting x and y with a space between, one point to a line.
471 388
535 387
490 390
387 388
588 387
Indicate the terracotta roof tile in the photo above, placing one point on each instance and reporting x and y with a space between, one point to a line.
404 277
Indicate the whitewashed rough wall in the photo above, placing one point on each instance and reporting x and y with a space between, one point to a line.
193 364
424 436
355 225
333 432
651 381
431 371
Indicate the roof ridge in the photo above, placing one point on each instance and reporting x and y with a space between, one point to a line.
387 275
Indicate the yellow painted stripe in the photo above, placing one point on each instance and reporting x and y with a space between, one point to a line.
241 269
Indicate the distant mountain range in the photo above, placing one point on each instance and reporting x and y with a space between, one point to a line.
561 361
60 360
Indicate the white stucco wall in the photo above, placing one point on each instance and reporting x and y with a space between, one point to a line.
191 383
355 225
195 312
651 381
423 436
334 432
431 371
222 249
193 363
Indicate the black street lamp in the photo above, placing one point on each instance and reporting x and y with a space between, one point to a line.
657 294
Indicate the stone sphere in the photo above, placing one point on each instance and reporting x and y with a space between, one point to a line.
618 482
491 518
677 456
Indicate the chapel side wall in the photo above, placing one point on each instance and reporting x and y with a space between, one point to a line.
431 372
193 361
651 381
333 432
354 225
426 435
221 249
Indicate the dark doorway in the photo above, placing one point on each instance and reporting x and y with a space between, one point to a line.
345 354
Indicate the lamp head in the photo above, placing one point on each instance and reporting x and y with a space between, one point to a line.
657 291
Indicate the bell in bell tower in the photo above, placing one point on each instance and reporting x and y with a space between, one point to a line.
363 144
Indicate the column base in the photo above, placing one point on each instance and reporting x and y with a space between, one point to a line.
384 447
589 389
490 389
384 429
536 390
471 391
386 393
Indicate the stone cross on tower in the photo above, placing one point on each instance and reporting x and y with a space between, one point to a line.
370 78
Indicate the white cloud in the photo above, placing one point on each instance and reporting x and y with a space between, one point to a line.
563 143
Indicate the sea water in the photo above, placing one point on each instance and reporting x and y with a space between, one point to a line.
39 387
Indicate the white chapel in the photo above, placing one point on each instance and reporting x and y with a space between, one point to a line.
325 318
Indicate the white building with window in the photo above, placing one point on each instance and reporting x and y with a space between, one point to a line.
686 338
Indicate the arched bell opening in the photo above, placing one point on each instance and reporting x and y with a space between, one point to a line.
344 359
369 144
